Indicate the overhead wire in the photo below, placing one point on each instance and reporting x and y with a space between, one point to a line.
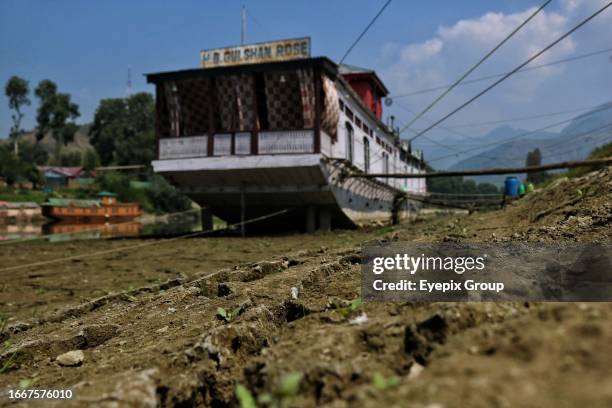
365 30
509 74
475 66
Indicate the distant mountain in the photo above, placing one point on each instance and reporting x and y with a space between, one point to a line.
80 143
583 134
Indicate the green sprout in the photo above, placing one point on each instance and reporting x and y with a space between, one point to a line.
245 397
228 315
8 363
379 381
280 397
351 308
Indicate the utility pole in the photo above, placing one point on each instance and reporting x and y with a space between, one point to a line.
242 24
128 90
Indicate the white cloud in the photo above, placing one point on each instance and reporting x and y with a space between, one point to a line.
453 48
416 53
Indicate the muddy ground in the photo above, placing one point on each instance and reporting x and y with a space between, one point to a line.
147 320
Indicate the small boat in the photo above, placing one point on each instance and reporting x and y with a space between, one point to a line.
104 209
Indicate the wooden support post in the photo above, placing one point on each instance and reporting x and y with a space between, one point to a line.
255 132
211 118
207 219
324 219
311 219
158 107
318 109
242 212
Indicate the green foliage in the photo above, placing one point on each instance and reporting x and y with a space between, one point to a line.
8 364
17 90
120 185
534 158
354 306
245 398
70 159
13 169
159 197
598 153
56 114
33 153
382 383
165 197
123 131
90 160
289 386
3 323
12 194
280 397
457 185
228 315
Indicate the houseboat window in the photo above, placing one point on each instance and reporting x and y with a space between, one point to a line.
377 140
341 105
366 129
358 122
349 142
366 155
349 114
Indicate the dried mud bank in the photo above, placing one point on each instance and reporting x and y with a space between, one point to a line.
164 343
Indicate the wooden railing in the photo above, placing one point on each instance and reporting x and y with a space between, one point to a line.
183 147
242 143
289 141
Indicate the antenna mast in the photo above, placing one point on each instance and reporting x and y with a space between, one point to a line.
242 24
129 81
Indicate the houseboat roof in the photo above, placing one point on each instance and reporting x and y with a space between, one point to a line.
355 71
71 202
327 65
18 204
106 194
71 172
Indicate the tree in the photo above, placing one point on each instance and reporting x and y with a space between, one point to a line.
534 158
90 160
56 114
70 159
123 130
17 90
33 153
14 169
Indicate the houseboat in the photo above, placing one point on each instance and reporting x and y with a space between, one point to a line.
105 209
266 127
12 212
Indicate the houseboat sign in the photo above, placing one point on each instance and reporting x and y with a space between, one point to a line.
281 50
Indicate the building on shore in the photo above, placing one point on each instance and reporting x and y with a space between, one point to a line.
265 127
72 177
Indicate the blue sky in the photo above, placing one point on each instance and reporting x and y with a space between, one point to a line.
86 47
